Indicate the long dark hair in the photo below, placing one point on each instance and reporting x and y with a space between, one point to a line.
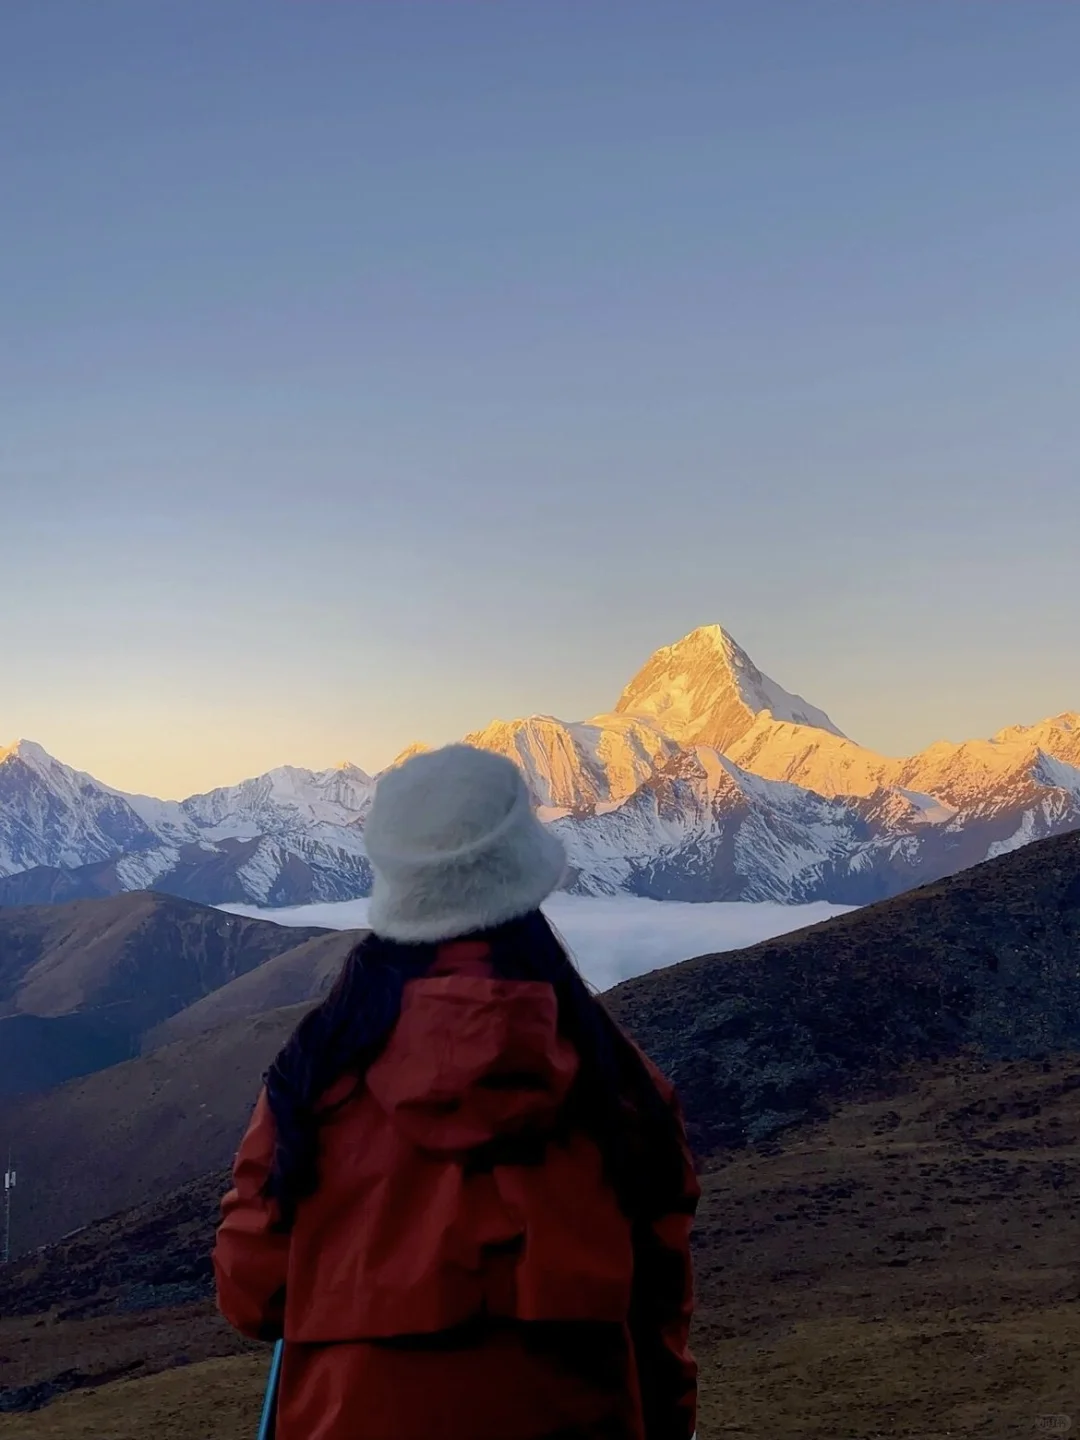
614 1099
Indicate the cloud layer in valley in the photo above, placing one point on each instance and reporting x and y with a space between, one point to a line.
614 939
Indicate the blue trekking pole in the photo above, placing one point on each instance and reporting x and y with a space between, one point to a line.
268 1423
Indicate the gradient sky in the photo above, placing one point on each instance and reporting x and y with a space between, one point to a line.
369 370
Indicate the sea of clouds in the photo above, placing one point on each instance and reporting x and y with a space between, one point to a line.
615 938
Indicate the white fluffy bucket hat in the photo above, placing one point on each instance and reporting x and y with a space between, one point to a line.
456 847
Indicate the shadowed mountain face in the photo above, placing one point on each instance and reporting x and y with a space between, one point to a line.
987 961
160 1119
302 974
81 983
40 1051
758 1041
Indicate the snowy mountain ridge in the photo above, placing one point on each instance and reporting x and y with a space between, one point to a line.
707 781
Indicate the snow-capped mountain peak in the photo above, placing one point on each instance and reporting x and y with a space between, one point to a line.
705 690
281 801
1057 727
29 752
416 748
51 814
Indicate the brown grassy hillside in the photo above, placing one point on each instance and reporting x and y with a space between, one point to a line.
81 983
127 1134
986 959
300 974
150 953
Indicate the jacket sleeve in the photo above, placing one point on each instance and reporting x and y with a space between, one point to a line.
251 1257
664 1300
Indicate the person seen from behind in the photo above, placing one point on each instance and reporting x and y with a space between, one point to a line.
465 1197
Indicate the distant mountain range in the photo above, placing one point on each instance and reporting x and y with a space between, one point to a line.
708 781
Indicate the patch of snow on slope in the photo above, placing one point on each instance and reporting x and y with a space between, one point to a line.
1051 771
1025 833
142 869
928 809
614 939
166 818
260 871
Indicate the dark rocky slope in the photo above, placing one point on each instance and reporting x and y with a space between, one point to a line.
987 961
81 983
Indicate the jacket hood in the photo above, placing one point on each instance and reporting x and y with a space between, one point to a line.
471 1060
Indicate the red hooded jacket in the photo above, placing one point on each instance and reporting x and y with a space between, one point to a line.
440 1283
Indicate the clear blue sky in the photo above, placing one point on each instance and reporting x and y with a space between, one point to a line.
369 370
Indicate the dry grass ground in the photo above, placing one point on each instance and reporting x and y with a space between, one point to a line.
908 1269
214 1400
